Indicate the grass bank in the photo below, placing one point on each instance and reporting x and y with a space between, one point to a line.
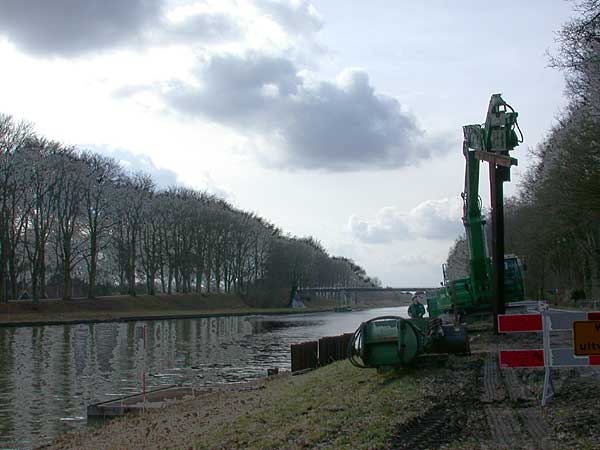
125 307
338 406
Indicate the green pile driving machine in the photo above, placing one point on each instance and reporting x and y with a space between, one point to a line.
489 142
393 341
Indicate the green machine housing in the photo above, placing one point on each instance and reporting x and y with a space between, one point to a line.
393 341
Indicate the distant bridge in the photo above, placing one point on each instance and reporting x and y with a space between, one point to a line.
346 297
324 290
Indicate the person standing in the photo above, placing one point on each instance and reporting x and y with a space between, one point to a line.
416 309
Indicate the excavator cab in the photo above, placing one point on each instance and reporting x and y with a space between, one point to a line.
513 279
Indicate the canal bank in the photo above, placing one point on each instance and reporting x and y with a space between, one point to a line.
123 308
459 402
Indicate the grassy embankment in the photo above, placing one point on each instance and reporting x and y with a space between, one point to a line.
337 406
462 402
121 307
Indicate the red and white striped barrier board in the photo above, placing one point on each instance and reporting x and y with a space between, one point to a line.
559 321
586 341
520 358
519 323
559 357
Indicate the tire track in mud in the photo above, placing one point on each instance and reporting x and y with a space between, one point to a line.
505 428
537 428
480 401
514 422
434 428
493 388
445 422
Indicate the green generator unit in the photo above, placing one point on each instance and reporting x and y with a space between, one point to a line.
393 341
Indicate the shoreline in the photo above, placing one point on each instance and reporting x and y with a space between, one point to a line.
192 315
123 308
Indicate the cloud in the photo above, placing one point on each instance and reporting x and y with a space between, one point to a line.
294 122
201 26
432 219
389 225
70 28
299 17
164 178
411 261
237 91
203 181
73 27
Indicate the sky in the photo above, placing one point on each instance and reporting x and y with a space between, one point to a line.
337 119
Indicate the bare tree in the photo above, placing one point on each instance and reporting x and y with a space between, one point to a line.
101 178
44 181
579 55
70 173
14 205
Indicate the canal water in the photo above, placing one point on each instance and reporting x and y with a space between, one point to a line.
49 374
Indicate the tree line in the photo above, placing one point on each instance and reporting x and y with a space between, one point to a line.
76 223
553 223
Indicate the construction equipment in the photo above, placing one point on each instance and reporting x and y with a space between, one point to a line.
489 142
393 341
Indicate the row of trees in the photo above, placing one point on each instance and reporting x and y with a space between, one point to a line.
76 222
554 222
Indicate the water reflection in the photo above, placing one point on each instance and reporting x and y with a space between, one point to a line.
48 375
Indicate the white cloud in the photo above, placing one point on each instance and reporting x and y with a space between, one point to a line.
294 122
413 260
432 219
162 176
296 16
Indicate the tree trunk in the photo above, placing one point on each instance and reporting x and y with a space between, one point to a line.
132 269
35 293
14 276
67 281
93 266
208 276
218 279
199 281
42 271
162 279
3 293
67 285
3 261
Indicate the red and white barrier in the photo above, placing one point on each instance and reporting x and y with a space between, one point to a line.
550 320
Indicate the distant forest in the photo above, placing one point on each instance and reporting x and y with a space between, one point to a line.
75 223
553 223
